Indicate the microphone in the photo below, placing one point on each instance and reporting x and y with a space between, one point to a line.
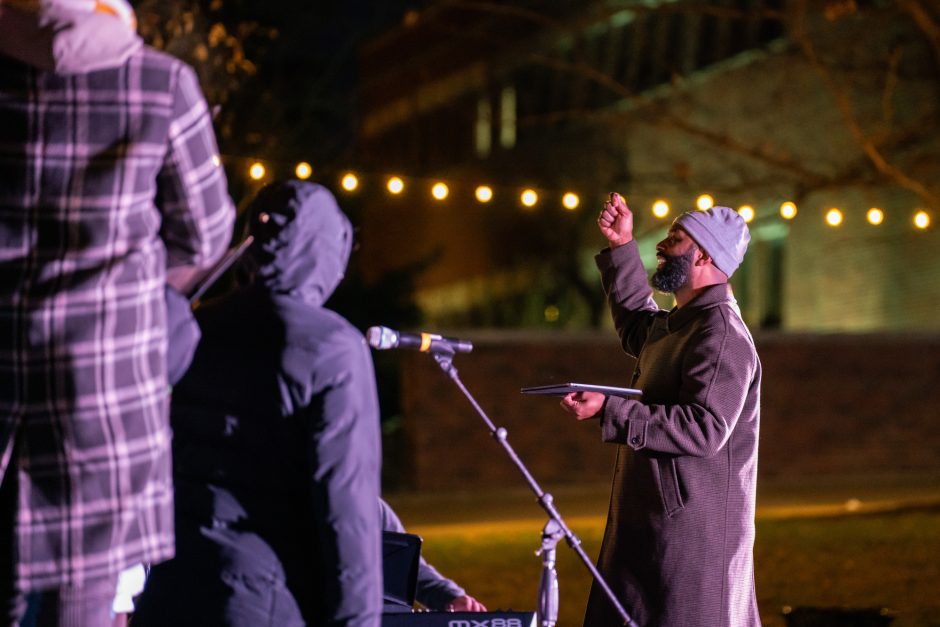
383 338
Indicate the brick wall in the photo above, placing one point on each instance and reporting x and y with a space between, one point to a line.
832 404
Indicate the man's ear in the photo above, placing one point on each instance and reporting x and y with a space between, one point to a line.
703 259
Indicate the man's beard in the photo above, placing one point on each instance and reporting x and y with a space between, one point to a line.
673 273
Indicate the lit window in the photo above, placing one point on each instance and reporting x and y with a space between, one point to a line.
507 117
484 128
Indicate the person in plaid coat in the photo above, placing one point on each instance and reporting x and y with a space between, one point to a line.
110 181
678 547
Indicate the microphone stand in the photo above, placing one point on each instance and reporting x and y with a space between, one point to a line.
548 583
554 530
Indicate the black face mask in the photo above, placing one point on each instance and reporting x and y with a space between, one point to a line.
673 273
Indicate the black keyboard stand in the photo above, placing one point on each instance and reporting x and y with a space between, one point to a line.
554 530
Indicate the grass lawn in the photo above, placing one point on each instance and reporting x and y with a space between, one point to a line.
864 560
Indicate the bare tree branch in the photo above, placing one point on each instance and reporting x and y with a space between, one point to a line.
891 83
844 103
927 24
665 117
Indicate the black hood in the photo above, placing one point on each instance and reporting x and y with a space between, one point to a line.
302 241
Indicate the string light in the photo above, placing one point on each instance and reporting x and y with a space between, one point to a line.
350 182
303 170
529 198
395 185
570 200
440 191
833 217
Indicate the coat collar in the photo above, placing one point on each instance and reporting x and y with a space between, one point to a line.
711 296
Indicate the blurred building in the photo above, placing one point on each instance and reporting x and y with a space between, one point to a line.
825 105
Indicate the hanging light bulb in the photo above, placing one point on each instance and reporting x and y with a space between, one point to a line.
788 210
570 201
256 171
440 191
350 182
746 212
303 170
395 185
529 198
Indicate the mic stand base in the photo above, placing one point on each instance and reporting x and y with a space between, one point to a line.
548 584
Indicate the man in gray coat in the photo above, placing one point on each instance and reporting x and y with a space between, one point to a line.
678 548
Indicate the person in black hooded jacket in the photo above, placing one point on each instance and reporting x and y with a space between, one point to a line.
276 441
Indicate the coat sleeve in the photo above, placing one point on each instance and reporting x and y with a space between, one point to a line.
192 192
717 372
628 295
344 463
435 590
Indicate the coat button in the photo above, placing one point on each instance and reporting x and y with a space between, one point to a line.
635 440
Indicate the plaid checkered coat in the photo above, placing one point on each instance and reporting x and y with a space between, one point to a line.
107 179
678 548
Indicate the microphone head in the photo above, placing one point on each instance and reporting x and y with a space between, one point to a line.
381 338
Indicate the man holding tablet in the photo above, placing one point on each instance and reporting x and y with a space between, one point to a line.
678 548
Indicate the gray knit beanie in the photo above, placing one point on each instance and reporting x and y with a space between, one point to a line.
721 233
